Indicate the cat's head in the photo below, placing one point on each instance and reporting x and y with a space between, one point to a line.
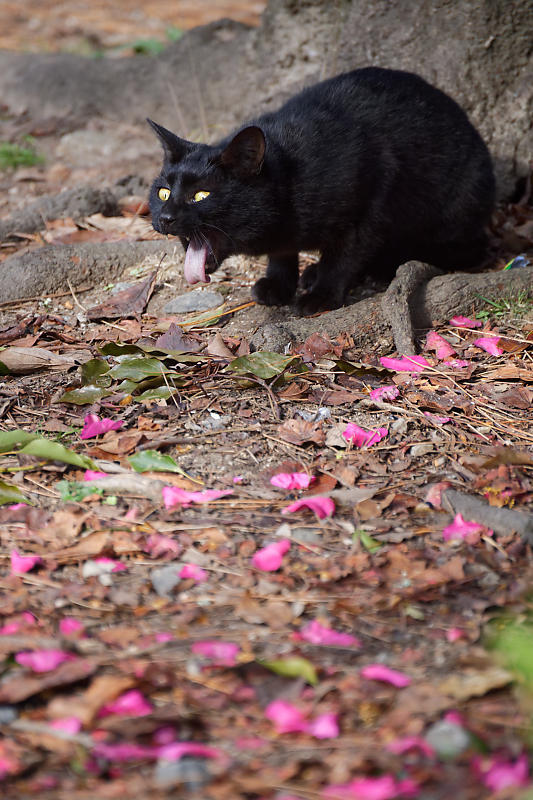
205 195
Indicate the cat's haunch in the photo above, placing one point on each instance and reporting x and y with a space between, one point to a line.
371 168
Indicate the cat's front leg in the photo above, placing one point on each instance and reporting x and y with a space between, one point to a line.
325 284
278 287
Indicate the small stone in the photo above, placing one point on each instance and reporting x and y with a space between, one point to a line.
447 738
165 579
197 300
8 714
191 773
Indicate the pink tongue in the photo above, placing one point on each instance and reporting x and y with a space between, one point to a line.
194 267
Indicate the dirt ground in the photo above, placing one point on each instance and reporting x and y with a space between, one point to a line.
150 647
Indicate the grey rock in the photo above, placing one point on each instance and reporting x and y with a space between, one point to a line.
165 579
447 739
8 714
191 773
197 300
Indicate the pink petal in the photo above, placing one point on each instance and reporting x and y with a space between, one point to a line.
324 726
238 478
42 660
362 438
465 322
122 751
94 426
176 750
163 637
489 344
291 480
322 506
93 475
498 775
385 787
270 558
405 364
460 529
454 634
21 564
131 704
379 672
68 724
172 495
436 342
16 506
385 393
407 743
158 545
316 633
286 717
456 718
110 564
438 420
69 625
222 654
193 571
457 363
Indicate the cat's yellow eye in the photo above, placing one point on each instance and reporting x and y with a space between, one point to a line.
200 196
163 194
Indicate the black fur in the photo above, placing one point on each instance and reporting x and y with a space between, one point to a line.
372 168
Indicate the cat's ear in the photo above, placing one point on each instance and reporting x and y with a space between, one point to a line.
246 151
174 147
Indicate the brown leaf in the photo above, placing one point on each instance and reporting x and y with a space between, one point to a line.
22 360
475 683
22 686
298 431
129 303
102 690
176 339
217 347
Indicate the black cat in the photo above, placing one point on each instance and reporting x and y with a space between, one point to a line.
372 168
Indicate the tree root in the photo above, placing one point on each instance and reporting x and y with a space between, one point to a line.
77 203
398 305
500 520
51 268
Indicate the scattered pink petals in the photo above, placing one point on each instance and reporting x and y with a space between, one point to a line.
42 660
460 529
324 726
221 654
70 725
316 633
465 322
93 475
385 787
408 743
94 426
286 717
291 480
436 342
498 775
322 506
379 672
270 558
405 364
172 495
385 393
193 571
21 564
489 344
69 625
362 438
130 704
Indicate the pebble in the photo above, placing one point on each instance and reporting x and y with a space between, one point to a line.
197 300
447 738
165 579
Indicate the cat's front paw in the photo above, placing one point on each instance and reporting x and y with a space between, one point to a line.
269 292
309 277
319 300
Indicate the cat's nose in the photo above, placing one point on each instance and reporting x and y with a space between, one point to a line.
165 221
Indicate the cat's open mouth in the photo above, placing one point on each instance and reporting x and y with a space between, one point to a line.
200 260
